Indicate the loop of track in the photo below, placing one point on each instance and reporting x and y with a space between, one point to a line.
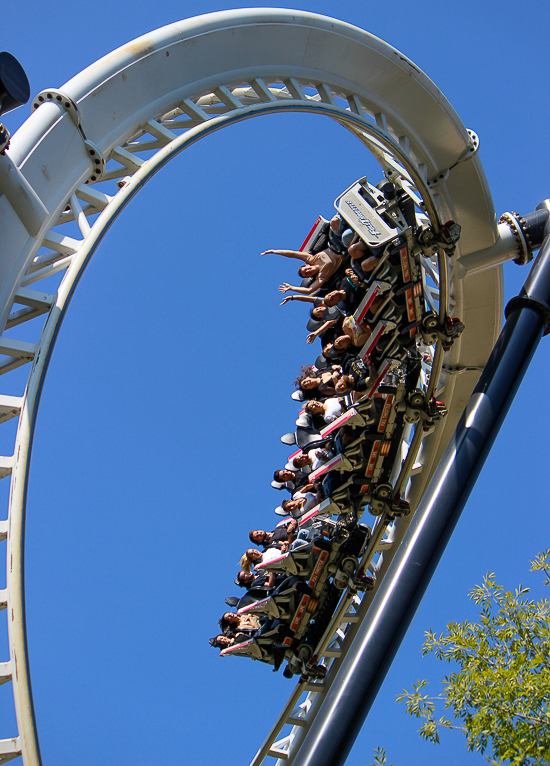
109 168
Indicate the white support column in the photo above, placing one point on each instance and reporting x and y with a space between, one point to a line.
504 249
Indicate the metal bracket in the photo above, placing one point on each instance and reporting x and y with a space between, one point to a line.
513 220
440 178
458 370
54 96
467 154
97 160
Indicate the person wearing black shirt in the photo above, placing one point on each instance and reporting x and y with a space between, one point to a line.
355 377
281 537
292 480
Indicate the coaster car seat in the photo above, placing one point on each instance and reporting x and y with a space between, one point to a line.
296 562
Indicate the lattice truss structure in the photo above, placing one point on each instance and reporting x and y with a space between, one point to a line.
107 131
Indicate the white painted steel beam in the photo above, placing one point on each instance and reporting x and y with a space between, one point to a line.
10 407
34 298
5 672
17 348
9 749
6 466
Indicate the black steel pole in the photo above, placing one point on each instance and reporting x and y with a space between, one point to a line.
364 668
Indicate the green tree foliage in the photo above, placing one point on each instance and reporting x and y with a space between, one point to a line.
379 757
499 696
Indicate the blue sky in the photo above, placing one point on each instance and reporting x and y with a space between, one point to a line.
169 387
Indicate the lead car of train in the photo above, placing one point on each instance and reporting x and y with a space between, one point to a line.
387 397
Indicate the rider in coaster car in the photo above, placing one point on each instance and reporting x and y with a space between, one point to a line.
352 289
322 265
247 624
301 502
360 252
333 298
329 410
317 384
322 320
318 266
236 629
265 581
246 579
340 235
343 324
252 556
222 641
325 318
280 537
357 377
330 327
339 350
292 480
313 458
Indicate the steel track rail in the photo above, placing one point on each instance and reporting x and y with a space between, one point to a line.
99 171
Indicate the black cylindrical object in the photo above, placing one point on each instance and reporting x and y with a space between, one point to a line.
364 668
533 226
14 85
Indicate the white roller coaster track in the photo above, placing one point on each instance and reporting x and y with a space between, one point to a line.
90 146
